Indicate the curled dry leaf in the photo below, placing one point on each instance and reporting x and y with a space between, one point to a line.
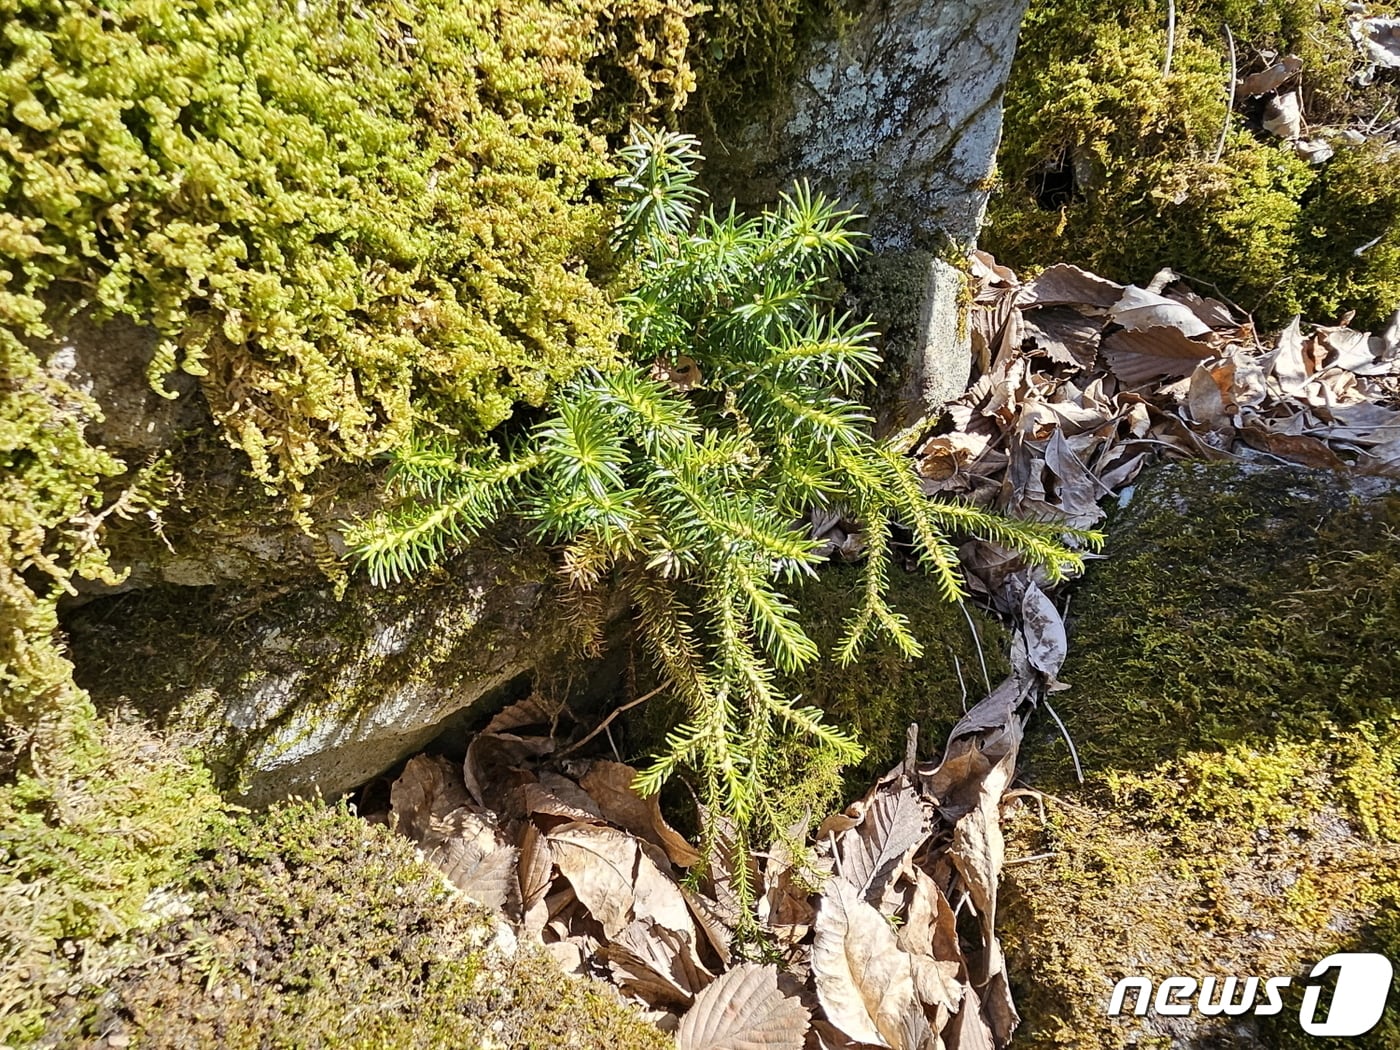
610 786
616 880
658 964
745 1009
535 874
865 981
1283 116
428 791
1273 78
1044 631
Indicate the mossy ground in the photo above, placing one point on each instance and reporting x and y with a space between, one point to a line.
1235 664
1111 163
135 904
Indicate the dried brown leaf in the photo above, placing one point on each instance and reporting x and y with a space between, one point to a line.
429 790
895 821
1066 285
1064 335
1138 357
1140 311
1273 78
864 980
476 860
610 786
535 874
1044 631
1283 116
616 880
658 964
533 710
745 1009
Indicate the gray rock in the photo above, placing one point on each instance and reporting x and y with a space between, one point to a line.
289 691
899 115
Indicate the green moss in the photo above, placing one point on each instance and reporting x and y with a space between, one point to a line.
1110 164
81 853
1234 664
305 926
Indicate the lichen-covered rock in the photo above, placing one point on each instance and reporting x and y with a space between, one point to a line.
291 691
896 111
1234 663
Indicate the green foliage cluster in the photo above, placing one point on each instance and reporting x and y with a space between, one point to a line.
1124 157
81 853
343 222
687 473
1235 666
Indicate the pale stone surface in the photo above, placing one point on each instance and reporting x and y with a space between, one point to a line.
899 115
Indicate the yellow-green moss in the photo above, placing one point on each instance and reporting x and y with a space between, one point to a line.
81 851
306 927
1122 158
1234 664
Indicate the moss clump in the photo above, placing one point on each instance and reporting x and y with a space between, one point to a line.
1234 663
83 849
343 225
306 920
1108 163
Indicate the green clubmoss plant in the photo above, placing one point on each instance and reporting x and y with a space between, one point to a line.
686 473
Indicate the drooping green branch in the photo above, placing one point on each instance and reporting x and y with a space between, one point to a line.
690 471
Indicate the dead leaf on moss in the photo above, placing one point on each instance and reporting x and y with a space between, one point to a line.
864 980
895 820
1273 78
745 1009
1283 116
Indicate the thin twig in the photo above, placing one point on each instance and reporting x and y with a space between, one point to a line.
603 725
1027 860
1230 109
1073 752
986 678
957 666
1171 38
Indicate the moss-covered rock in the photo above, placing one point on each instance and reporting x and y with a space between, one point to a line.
1110 162
303 926
1234 664
292 691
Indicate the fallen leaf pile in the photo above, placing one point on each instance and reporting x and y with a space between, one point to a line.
1085 380
884 922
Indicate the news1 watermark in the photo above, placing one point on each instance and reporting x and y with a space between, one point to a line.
1359 995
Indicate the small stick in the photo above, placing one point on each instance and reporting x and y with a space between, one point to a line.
607 721
1027 860
986 678
1230 109
1073 753
957 666
1171 38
